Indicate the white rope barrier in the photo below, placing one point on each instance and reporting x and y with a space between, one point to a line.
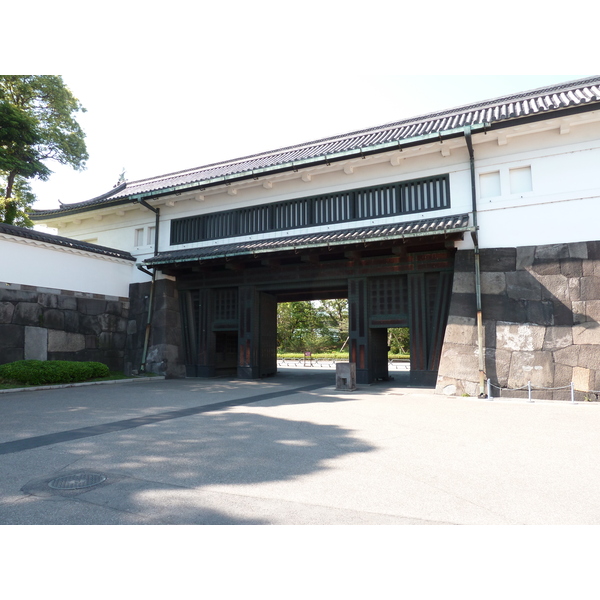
530 389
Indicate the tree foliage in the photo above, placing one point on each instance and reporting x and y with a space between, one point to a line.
399 340
15 211
312 326
37 124
322 326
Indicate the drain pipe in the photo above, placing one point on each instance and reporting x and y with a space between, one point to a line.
475 236
156 211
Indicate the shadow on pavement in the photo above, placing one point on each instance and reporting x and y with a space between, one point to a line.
179 470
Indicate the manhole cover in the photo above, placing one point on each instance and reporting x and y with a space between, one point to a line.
76 481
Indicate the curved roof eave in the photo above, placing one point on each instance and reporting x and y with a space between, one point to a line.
453 224
104 200
583 94
56 240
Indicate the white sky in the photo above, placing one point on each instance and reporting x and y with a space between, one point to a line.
188 86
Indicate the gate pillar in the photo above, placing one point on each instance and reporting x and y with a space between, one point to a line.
358 328
429 300
197 311
257 338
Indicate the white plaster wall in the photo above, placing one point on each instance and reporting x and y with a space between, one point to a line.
47 266
574 220
562 206
563 156
112 230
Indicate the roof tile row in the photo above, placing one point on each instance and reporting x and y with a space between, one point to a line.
440 225
505 108
49 238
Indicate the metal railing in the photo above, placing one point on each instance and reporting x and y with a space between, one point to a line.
309 362
304 361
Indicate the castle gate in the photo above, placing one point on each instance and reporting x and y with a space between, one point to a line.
393 276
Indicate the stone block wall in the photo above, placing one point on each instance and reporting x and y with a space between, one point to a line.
165 353
51 324
541 316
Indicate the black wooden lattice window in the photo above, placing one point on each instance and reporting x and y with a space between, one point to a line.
226 304
389 295
403 198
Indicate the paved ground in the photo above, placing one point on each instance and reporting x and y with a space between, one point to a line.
293 450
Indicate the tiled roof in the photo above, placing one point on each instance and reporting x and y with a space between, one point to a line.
499 110
424 227
57 240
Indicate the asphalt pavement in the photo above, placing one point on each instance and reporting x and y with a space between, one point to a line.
293 450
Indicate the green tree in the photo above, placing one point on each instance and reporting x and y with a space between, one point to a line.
312 326
37 124
399 340
19 159
296 323
333 317
19 206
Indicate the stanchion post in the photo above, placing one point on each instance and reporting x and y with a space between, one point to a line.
572 393
529 391
489 389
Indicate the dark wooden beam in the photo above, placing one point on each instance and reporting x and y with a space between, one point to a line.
234 266
399 250
271 262
310 258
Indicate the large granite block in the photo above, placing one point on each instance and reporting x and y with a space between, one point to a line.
502 308
498 259
53 319
557 338
571 267
27 313
554 287
497 366
519 337
36 343
578 250
91 306
61 341
551 252
464 261
586 334
563 315
463 305
461 330
540 313
7 310
525 257
493 283
521 285
536 367
567 356
590 288
11 336
593 250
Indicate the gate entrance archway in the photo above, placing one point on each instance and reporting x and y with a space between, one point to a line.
231 300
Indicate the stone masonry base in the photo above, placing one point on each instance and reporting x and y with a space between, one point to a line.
48 324
541 316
